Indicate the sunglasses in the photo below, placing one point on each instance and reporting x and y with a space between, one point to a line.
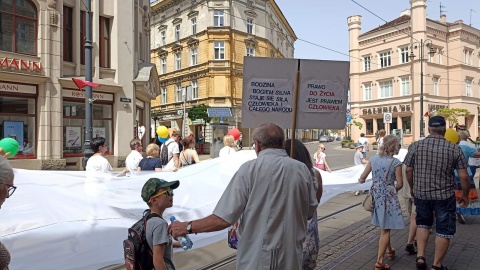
11 189
168 192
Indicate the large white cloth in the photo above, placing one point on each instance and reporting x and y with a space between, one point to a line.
66 220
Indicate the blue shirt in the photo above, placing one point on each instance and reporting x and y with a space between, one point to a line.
468 152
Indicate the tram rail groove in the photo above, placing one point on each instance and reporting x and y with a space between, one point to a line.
232 258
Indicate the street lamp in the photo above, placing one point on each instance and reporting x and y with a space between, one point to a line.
87 147
420 45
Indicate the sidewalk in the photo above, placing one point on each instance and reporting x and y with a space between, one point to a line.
355 246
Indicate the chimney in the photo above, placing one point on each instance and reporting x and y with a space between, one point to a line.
443 19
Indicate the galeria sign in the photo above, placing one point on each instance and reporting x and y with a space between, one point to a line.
20 64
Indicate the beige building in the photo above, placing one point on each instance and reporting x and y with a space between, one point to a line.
200 45
385 79
42 49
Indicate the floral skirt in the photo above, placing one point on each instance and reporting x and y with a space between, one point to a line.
311 244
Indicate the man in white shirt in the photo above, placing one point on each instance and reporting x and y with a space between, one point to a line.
364 142
134 158
173 152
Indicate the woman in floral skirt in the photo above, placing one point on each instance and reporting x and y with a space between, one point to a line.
387 213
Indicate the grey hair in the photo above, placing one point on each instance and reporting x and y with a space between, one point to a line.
463 134
269 135
438 130
390 146
6 171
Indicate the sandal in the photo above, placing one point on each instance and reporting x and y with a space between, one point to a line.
442 267
410 248
423 265
381 266
391 255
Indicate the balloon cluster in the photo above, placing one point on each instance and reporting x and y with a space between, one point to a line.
9 145
164 133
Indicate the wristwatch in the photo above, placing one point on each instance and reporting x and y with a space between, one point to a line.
189 227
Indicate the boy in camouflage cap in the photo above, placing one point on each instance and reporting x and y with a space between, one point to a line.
158 194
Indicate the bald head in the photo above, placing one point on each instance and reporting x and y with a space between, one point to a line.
269 135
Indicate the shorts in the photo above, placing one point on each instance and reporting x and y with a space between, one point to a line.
444 211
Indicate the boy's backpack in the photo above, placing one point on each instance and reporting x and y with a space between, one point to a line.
164 154
137 253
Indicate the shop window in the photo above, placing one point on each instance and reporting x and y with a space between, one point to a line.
74 126
393 125
380 124
407 125
18 121
18 24
369 126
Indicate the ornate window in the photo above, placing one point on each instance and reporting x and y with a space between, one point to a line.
18 24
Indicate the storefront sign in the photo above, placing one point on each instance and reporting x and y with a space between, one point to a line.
18 88
390 109
432 107
20 64
73 136
81 95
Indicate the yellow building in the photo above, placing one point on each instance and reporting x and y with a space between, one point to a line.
201 45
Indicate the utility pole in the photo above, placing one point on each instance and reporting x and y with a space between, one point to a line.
87 149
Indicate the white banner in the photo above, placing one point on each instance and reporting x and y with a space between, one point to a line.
70 220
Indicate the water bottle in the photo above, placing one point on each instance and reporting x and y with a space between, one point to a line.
185 241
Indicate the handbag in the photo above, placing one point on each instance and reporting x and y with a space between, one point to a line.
368 203
233 236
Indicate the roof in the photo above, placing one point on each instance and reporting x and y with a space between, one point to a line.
397 21
219 112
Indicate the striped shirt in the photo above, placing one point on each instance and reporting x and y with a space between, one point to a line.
434 160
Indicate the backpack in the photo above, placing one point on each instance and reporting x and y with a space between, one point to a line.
137 253
164 154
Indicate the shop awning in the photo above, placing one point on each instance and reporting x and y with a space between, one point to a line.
219 112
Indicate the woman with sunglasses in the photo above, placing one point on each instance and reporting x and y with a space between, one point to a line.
97 163
6 190
320 159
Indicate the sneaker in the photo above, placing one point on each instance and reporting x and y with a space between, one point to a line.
410 249
460 218
357 193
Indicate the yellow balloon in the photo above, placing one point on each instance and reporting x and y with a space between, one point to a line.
162 131
451 135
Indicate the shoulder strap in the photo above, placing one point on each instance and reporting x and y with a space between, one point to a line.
391 163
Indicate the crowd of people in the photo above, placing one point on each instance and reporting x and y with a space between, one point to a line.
275 196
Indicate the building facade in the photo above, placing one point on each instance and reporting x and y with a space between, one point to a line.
200 45
385 79
42 49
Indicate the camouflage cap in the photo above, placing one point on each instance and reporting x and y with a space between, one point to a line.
154 184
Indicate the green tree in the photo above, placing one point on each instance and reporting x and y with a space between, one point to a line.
199 112
452 114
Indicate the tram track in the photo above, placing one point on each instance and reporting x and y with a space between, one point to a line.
232 258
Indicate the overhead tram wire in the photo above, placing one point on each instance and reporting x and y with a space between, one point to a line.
374 14
311 43
321 46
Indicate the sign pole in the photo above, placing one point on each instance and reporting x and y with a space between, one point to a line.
295 102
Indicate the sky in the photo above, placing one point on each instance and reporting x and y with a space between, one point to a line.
324 22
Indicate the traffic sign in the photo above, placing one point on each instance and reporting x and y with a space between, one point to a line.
349 118
387 118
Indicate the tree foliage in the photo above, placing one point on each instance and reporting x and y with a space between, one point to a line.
452 114
358 124
199 112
